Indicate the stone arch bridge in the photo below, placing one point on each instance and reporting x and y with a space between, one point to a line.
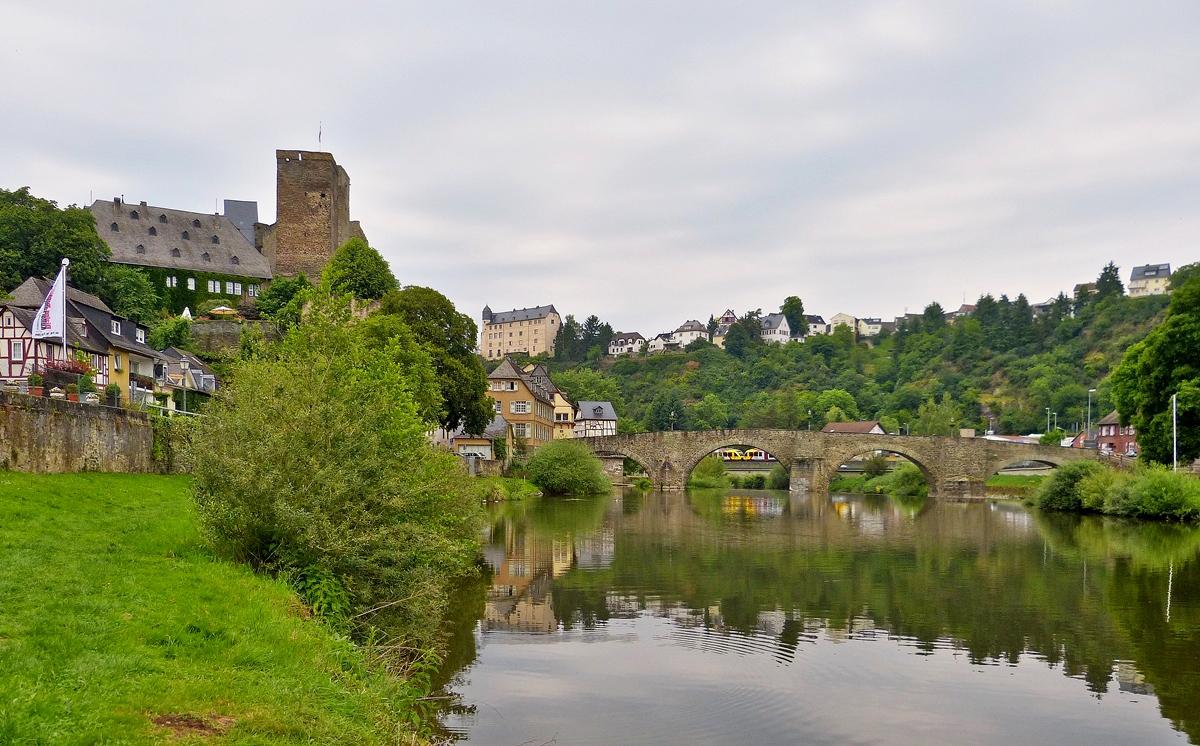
954 467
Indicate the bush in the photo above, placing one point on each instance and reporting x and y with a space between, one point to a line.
1060 490
779 479
35 379
567 467
87 385
876 466
754 482
908 481
1155 492
112 393
72 388
710 473
313 462
644 484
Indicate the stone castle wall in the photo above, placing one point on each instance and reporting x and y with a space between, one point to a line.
44 435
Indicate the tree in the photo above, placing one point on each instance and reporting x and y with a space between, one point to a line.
567 467
1109 282
1166 362
129 292
1181 276
936 419
667 412
360 270
710 413
279 293
793 310
583 384
841 400
174 331
313 461
890 425
743 337
933 317
450 339
35 236
835 414
712 326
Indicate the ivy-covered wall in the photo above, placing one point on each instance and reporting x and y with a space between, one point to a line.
177 298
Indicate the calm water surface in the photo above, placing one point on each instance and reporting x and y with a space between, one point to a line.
722 617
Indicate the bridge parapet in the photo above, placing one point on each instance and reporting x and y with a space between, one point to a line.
952 466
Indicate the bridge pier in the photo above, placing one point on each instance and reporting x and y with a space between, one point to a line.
808 475
958 488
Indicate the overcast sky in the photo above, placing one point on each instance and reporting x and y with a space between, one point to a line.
647 162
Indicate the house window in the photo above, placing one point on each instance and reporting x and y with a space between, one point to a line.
519 407
17 352
116 327
140 335
134 215
162 218
521 430
217 240
114 228
214 286
141 249
191 284
237 288
252 290
229 288
195 223
117 360
175 253
153 231
133 367
186 236
172 282
498 407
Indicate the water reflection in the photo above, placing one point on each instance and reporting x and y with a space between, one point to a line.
979 622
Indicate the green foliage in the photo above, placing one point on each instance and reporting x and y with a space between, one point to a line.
906 481
450 338
793 310
35 235
279 294
890 424
1151 492
567 467
72 388
359 270
1109 282
779 479
667 412
583 384
752 482
113 391
494 489
87 385
173 331
1181 276
1060 491
710 413
875 466
35 379
577 342
389 334
937 419
709 473
129 292
316 456
1052 438
165 628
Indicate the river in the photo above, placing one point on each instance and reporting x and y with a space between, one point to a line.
734 616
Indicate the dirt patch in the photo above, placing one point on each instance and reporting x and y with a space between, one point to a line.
194 725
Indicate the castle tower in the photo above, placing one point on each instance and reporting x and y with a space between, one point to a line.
312 216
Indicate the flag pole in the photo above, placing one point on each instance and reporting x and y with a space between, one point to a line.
65 263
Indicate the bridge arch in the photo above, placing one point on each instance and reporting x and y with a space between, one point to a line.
694 459
915 456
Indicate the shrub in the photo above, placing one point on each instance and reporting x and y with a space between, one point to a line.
876 466
710 473
87 385
1156 492
1096 488
35 379
779 478
644 484
1060 491
567 467
72 388
754 481
313 462
908 481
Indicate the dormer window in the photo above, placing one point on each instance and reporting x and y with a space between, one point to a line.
206 257
175 253
135 215
116 327
195 223
234 260
140 335
162 218
114 228
153 231
141 249
216 240
186 236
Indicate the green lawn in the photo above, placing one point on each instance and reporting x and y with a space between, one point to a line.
114 614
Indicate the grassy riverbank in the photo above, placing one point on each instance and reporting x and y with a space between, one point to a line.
117 625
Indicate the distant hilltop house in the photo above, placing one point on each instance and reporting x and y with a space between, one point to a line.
869 327
727 319
1150 279
193 257
963 311
623 343
594 419
528 331
869 427
816 325
689 332
662 342
843 319
775 329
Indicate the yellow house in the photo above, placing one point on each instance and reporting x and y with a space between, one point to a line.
564 410
525 404
528 331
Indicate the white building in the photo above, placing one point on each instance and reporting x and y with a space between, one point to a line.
624 343
595 418
869 327
664 341
816 325
775 329
843 319
1150 279
689 332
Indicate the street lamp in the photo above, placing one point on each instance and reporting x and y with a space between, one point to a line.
183 365
1047 419
672 419
1174 432
1089 423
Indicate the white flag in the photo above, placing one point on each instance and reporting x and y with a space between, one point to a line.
51 319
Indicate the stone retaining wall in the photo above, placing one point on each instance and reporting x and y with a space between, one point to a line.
44 435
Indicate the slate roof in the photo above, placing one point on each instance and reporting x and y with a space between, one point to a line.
32 292
522 314
1150 270
541 376
1112 419
595 410
814 319
692 326
509 370
83 307
497 428
626 337
860 428
772 320
156 250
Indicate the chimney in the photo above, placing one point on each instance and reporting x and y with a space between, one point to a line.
143 204
116 203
